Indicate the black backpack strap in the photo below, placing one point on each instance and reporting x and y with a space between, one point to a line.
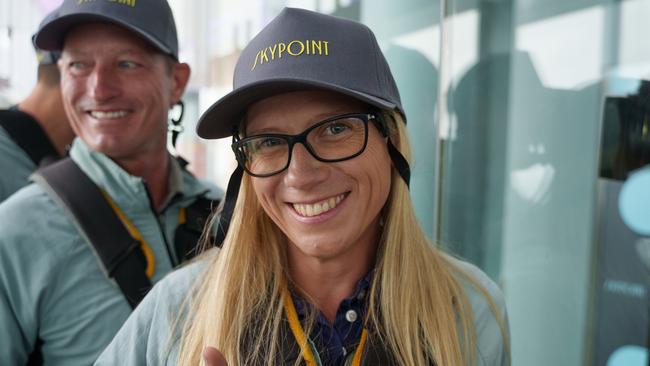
189 232
36 357
28 134
120 253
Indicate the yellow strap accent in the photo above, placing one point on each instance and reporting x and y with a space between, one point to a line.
146 249
301 338
356 361
296 329
182 216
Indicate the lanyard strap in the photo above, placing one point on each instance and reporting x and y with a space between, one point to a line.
146 249
301 338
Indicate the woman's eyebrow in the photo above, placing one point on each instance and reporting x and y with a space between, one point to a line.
313 120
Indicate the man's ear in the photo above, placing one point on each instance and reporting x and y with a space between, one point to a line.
180 78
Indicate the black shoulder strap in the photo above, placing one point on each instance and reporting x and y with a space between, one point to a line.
28 134
120 253
189 233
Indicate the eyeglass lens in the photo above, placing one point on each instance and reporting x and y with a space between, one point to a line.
335 139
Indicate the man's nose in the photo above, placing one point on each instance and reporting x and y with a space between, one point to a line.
103 83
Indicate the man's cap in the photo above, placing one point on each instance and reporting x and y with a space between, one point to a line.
47 57
151 19
300 50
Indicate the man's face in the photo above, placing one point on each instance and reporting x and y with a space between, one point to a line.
117 90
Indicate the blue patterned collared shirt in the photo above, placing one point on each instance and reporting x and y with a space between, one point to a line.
335 341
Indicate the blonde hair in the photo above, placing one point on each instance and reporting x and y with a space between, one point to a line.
418 307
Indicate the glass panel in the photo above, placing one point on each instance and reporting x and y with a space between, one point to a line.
528 84
409 33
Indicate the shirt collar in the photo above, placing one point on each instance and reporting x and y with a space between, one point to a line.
360 293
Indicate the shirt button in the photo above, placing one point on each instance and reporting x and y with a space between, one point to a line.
351 316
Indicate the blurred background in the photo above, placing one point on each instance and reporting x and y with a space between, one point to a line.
530 121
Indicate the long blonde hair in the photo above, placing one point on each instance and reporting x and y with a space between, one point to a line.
418 307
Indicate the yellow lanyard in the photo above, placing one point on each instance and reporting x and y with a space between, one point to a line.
146 249
301 338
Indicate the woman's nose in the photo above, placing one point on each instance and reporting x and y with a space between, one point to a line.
304 170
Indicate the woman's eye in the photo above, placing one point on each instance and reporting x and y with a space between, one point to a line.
336 128
269 142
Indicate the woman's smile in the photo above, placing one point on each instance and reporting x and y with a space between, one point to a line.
320 207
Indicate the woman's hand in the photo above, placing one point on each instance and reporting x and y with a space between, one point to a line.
212 357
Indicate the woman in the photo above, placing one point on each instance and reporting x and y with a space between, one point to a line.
323 261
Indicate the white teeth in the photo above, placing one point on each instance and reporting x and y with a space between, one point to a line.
108 115
318 208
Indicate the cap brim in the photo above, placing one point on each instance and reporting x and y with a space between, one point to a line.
218 121
51 35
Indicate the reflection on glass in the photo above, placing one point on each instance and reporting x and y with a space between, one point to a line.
532 184
626 134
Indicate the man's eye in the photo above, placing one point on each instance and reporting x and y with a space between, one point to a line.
77 65
128 64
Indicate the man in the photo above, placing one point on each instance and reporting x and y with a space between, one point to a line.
34 130
120 75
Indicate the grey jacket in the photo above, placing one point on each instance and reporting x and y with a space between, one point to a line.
52 287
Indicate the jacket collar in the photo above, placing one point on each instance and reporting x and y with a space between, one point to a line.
128 191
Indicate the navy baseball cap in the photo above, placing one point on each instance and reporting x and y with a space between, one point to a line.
300 50
151 19
47 57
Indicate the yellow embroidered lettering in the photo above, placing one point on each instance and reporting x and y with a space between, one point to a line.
294 48
290 48
315 45
130 3
255 61
263 56
281 48
272 49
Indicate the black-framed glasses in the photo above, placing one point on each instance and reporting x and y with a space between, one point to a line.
335 139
